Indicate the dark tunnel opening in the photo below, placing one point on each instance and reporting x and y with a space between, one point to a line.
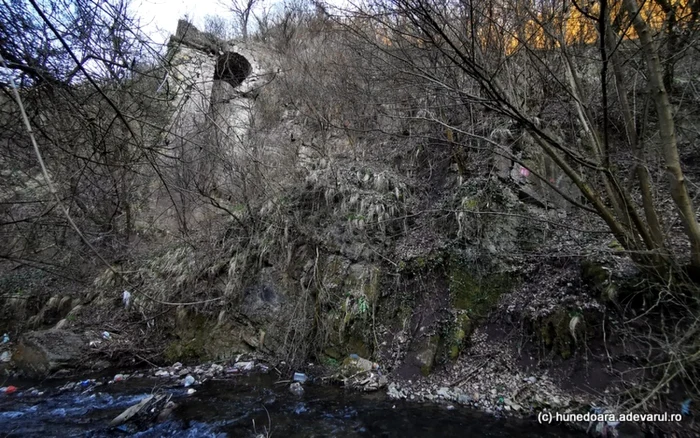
232 68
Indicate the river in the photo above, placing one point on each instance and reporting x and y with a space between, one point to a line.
244 406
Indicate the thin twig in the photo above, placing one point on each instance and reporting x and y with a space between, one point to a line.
54 193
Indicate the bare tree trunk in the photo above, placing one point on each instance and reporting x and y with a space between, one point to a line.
641 171
667 131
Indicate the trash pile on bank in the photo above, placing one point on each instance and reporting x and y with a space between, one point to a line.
361 374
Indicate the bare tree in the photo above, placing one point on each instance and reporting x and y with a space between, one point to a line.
220 27
242 10
512 58
87 86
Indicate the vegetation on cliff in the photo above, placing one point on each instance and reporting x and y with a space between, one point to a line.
412 181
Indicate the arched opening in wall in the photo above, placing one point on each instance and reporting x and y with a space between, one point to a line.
232 68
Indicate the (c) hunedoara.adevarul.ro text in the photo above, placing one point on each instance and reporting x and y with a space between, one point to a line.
549 417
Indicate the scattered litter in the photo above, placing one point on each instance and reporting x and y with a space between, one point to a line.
189 381
126 297
106 335
300 377
296 389
162 373
5 356
245 366
85 383
9 389
191 391
119 377
5 338
362 363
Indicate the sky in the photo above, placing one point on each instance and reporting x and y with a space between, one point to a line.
159 17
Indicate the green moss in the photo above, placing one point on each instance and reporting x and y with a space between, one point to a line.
594 274
470 204
348 324
555 334
476 295
198 338
615 245
371 285
458 333
465 323
332 353
456 340
330 362
421 263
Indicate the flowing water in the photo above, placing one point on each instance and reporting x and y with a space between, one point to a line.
242 406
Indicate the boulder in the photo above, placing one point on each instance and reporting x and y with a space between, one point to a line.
424 353
42 352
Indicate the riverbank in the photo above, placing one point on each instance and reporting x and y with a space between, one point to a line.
243 404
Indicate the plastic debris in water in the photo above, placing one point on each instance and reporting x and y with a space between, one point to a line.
300 377
85 383
5 338
5 356
189 381
191 391
119 377
126 297
106 335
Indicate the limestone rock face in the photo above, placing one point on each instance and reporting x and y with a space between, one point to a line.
42 352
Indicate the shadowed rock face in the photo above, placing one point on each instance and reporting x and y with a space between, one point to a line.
232 68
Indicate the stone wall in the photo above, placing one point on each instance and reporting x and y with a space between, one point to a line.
213 85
